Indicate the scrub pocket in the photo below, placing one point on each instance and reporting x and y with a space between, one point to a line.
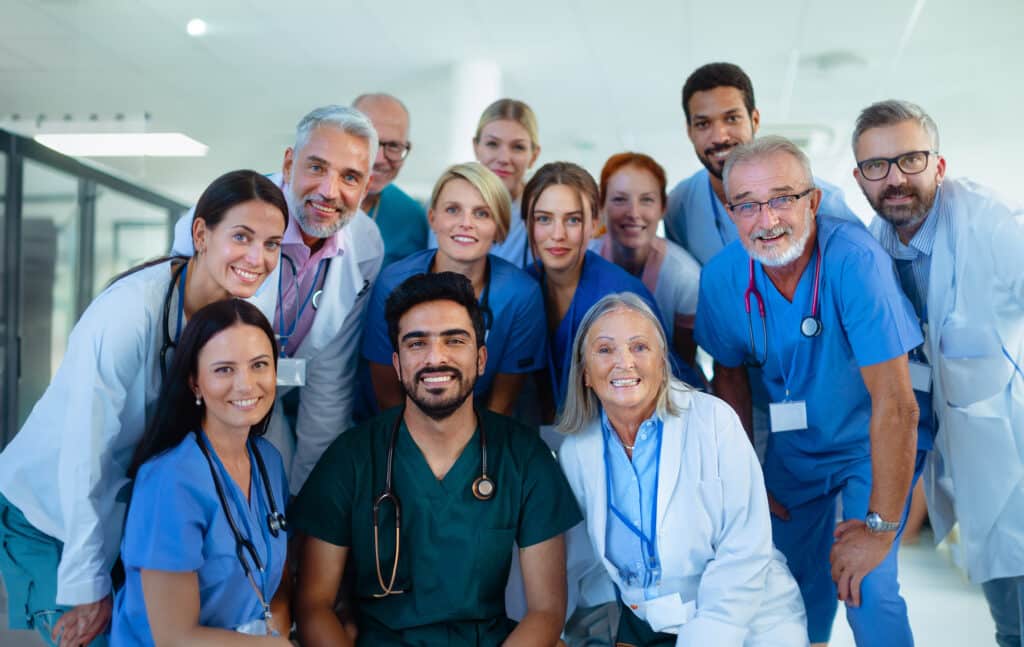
973 365
28 562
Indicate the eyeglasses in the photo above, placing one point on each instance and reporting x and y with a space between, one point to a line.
778 203
912 163
396 151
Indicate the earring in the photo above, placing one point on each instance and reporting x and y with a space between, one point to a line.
199 400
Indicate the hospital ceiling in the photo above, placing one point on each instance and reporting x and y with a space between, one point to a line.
602 75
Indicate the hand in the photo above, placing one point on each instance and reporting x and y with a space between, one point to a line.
777 509
855 553
83 623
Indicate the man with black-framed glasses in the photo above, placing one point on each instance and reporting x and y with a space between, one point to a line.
959 254
401 219
814 302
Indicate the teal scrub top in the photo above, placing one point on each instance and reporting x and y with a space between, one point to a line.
455 550
402 222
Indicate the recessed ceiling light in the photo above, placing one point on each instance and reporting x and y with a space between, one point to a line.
124 144
196 27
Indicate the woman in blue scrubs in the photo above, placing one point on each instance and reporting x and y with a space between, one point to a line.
469 213
560 202
63 486
204 544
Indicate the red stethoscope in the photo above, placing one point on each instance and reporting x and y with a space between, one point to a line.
810 326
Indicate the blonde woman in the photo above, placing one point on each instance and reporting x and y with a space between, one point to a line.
672 493
469 213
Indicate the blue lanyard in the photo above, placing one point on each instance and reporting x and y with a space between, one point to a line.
284 335
650 548
255 487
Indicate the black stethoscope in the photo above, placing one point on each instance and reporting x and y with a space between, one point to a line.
276 521
483 488
178 277
810 326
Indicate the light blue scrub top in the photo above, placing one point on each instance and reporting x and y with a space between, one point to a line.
176 523
598 278
866 319
516 340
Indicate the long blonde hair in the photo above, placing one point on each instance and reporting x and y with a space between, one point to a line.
581 404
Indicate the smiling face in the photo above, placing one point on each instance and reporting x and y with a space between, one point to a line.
561 225
624 364
326 180
773 237
718 123
236 379
243 249
462 221
633 207
504 146
904 200
438 361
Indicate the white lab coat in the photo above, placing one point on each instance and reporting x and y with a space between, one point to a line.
723 583
975 319
66 469
331 347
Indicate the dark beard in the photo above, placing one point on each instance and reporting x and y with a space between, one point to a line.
903 216
705 159
439 410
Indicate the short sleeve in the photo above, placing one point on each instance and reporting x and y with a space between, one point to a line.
323 507
376 344
712 321
878 319
525 349
549 506
168 518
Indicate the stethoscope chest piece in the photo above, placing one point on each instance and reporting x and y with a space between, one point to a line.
276 522
483 487
811 326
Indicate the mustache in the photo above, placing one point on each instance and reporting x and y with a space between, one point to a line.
435 371
777 230
903 191
717 148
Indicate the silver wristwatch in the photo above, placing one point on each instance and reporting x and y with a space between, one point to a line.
876 523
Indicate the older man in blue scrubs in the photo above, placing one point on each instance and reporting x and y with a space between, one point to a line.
814 301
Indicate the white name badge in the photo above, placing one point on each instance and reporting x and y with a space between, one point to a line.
788 416
291 371
921 376
669 612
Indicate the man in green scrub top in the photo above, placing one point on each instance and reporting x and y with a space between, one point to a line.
445 583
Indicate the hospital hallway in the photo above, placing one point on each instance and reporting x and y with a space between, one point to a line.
945 609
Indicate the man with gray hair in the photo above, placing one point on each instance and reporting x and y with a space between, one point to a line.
969 371
814 302
330 255
401 219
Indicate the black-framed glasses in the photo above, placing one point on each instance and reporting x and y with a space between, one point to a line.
396 151
912 163
778 203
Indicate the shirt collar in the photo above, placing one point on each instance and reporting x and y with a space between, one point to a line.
293 241
646 433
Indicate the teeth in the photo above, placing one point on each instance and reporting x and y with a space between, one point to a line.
245 403
248 276
322 208
438 380
626 382
463 239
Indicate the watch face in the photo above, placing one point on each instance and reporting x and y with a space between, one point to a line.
873 521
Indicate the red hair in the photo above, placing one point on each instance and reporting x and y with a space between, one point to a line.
619 161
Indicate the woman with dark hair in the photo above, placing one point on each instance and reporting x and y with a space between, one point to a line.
204 543
63 479
560 203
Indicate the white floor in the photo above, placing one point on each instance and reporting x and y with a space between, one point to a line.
945 609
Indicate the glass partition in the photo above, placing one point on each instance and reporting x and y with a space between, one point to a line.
127 232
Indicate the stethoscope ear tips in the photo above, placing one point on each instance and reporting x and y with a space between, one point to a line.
483 488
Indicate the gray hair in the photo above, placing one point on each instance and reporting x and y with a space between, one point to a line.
581 404
763 147
348 120
890 113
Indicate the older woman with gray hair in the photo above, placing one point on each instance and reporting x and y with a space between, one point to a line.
672 492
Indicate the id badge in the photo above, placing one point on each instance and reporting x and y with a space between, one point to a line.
921 376
291 371
669 612
788 416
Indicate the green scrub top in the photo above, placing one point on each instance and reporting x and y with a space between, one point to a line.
455 550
